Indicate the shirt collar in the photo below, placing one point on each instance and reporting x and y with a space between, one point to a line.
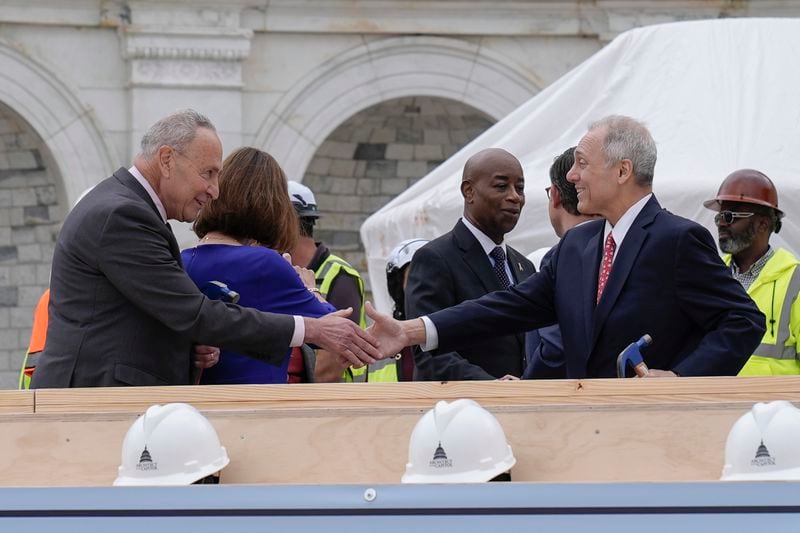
620 229
486 243
147 187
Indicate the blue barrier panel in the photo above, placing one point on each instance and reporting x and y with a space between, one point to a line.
502 507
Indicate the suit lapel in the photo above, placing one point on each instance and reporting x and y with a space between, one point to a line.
475 258
623 264
520 266
590 266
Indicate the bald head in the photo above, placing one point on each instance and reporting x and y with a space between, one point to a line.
494 192
487 161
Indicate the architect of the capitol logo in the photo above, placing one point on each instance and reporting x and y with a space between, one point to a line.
146 462
762 458
440 459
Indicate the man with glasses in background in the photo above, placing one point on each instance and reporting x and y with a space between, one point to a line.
747 205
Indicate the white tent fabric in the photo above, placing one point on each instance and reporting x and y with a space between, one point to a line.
717 96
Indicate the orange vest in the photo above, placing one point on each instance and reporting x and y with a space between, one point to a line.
38 338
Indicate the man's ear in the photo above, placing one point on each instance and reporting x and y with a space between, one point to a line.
467 191
164 158
625 171
555 197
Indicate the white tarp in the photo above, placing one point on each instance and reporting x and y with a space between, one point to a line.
717 96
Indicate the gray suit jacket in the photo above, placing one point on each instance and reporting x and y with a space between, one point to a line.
123 311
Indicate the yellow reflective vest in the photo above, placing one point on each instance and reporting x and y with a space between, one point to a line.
384 370
775 292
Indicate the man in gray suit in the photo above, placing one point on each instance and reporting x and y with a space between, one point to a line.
123 311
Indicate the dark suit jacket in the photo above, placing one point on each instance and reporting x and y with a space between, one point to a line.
544 347
450 270
123 311
667 280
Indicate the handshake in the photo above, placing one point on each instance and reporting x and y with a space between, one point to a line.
358 347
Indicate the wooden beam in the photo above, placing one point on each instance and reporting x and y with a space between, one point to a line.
560 431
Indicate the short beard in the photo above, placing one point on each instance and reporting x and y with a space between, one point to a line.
737 243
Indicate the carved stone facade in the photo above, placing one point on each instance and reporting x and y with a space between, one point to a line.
85 78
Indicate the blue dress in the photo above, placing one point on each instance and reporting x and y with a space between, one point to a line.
264 281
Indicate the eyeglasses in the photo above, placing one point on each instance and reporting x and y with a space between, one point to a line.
208 175
729 216
547 191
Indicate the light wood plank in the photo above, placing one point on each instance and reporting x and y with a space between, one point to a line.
16 401
579 392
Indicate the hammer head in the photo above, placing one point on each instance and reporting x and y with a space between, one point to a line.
216 290
632 355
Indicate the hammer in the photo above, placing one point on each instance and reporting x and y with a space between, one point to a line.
633 355
215 290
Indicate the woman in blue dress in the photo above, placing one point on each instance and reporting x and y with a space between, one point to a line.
242 235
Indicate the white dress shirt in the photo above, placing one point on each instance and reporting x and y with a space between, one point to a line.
488 245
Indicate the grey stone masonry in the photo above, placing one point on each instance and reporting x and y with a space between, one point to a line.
376 155
30 215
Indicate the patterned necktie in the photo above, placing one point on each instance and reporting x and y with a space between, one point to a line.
605 266
499 257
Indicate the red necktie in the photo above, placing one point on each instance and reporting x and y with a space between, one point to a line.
605 266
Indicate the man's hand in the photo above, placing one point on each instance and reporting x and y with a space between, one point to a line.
306 275
205 356
337 334
394 335
508 377
655 373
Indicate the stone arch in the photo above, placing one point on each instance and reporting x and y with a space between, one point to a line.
381 70
66 125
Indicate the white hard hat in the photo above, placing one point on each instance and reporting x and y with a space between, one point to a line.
401 254
763 444
457 442
303 199
170 444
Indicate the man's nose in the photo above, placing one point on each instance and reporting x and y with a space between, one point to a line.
572 175
514 196
213 188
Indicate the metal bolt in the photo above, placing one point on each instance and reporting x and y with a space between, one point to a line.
370 495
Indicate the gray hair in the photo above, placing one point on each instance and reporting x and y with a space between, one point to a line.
176 130
627 138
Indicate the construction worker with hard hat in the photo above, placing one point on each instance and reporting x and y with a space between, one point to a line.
339 284
458 442
747 214
172 444
397 267
762 445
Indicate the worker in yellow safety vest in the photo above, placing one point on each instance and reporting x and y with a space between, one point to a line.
340 284
747 205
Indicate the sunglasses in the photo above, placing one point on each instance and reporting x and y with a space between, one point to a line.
729 216
547 192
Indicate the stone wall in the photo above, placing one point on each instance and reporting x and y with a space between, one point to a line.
377 154
29 218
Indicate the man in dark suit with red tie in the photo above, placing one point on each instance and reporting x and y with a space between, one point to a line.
470 261
640 271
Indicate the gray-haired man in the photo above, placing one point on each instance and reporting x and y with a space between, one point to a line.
123 311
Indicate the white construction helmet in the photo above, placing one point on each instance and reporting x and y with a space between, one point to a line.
303 200
401 254
170 444
457 442
763 444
